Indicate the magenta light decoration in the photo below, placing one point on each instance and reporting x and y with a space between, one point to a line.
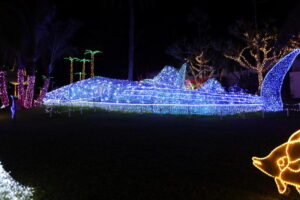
43 92
3 89
29 92
21 91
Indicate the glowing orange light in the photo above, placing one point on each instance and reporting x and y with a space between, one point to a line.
283 164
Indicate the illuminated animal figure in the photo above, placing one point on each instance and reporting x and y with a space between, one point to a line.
166 94
283 164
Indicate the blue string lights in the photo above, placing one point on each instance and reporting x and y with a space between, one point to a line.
166 94
271 87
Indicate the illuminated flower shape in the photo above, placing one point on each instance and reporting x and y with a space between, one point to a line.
283 164
12 190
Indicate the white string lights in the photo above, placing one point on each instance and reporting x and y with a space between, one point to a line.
12 190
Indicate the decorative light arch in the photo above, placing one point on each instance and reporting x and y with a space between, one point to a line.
271 88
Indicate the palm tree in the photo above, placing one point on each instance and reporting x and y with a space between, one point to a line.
83 60
79 75
88 51
71 59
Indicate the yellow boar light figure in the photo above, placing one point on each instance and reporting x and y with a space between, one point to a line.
283 164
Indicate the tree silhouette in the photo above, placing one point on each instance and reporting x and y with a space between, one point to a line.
32 30
198 56
259 51
199 52
88 51
132 6
56 46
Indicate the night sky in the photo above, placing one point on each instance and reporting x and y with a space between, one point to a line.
159 24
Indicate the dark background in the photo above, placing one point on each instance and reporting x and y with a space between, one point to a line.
159 24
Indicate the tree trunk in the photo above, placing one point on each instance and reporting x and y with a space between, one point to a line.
255 13
260 81
21 90
92 65
3 89
71 71
29 92
43 92
131 41
83 70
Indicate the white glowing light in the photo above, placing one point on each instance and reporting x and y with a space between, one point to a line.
12 190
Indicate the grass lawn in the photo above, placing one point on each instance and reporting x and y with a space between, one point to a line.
110 155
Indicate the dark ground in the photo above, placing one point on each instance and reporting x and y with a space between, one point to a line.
130 156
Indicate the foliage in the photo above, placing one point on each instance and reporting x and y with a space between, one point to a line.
199 53
59 33
258 49
88 51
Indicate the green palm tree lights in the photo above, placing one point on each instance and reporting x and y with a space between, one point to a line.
79 74
88 51
83 60
71 59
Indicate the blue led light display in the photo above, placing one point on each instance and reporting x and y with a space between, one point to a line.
271 87
166 94
212 86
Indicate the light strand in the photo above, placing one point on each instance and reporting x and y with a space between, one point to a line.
3 89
